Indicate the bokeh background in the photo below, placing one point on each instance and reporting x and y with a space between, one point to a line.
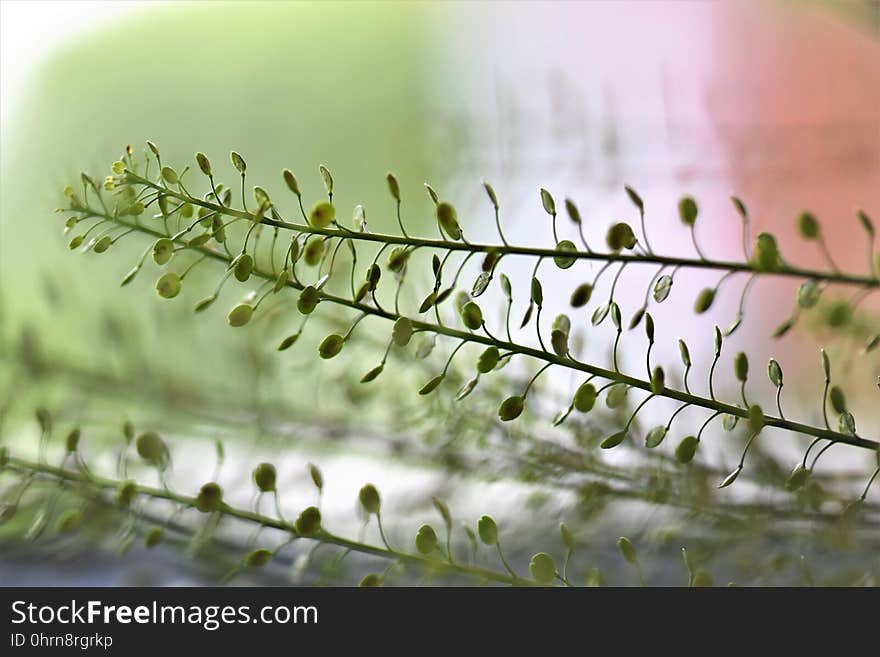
776 102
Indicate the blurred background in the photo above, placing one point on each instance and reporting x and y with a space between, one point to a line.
777 102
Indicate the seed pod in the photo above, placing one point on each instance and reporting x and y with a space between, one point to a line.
488 359
393 186
658 381
559 342
169 175
326 178
309 521
68 521
168 285
153 537
613 440
240 315
563 261
490 192
809 293
431 385
729 421
402 332
426 539
585 397
687 211
243 266
572 211
543 568
264 477
204 163
72 441
581 295
872 342
398 259
308 300
487 530
331 346
838 399
428 302
261 196
783 328
129 277
322 214
505 287
281 280
238 162
482 282
258 558
616 396
797 478
847 423
774 373
567 537
756 418
371 580
620 236
704 300
210 498
291 182
317 476
163 250
537 292
548 202
102 244
838 313
151 448
766 254
75 242
126 493
686 449
741 366
729 479
511 408
447 218
649 328
655 436
472 316
369 499
627 549
373 373
826 364
807 226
